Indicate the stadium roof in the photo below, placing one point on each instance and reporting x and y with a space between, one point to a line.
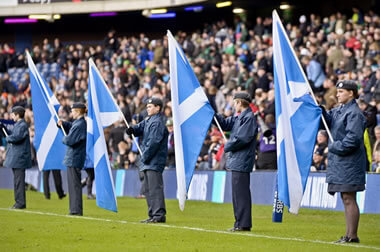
27 7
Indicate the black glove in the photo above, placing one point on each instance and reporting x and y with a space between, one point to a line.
2 126
323 109
129 131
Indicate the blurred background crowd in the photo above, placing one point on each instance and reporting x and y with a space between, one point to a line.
225 59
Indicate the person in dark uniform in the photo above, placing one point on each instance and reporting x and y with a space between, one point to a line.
57 182
75 155
154 147
240 150
18 156
347 157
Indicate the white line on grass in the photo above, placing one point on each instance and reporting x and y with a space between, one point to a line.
196 229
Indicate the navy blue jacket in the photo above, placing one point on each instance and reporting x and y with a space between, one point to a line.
76 143
18 148
240 148
346 156
154 145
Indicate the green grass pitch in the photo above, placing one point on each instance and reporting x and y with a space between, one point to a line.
45 226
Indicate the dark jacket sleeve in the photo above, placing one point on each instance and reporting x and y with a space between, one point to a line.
74 137
225 124
327 115
243 137
156 134
66 126
138 130
351 141
18 134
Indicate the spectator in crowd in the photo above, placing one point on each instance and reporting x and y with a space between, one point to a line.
259 27
116 135
154 149
329 96
376 88
322 141
202 162
376 162
314 72
18 155
376 146
369 112
75 155
122 155
241 149
266 155
347 157
215 137
170 163
318 163
111 44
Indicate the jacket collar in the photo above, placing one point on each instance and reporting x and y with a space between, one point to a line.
80 118
344 107
154 116
244 113
20 121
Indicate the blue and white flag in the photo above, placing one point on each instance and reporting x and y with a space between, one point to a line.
102 112
297 119
48 137
192 115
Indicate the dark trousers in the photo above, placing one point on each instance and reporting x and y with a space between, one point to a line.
57 182
142 188
241 199
75 190
90 179
19 187
154 192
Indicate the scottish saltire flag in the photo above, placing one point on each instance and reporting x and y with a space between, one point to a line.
297 119
102 112
192 115
48 137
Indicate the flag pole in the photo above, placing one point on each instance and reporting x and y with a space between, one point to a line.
5 132
304 75
121 113
133 136
220 128
46 93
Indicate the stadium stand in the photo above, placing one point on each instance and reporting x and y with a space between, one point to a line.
226 58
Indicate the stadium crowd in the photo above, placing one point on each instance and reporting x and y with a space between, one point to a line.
225 59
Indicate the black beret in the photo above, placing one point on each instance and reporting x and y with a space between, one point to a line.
243 96
347 84
155 101
78 105
18 109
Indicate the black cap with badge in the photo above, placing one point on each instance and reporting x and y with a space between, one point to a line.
348 85
243 96
78 105
155 101
18 110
